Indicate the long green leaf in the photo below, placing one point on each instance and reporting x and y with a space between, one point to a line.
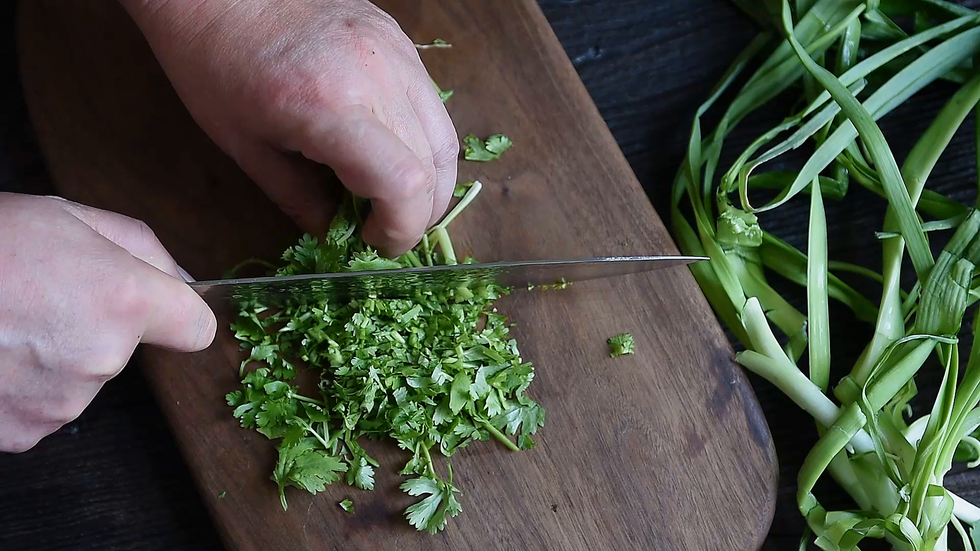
818 314
899 88
872 136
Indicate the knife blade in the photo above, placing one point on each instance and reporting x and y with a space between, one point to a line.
404 282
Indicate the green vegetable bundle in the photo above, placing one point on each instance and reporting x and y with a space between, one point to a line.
853 62
431 372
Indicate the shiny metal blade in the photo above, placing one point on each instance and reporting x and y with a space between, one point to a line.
406 282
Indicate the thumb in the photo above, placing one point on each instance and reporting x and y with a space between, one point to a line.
176 318
129 233
295 184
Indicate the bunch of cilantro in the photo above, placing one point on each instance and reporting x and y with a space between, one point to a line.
433 372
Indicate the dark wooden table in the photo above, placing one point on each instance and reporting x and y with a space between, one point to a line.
114 479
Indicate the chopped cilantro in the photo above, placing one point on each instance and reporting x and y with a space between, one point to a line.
432 372
222 495
558 285
489 150
430 513
620 345
347 505
461 189
437 43
444 95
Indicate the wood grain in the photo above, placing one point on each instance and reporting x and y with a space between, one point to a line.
664 450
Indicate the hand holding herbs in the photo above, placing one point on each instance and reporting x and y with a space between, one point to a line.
81 288
852 63
431 373
285 88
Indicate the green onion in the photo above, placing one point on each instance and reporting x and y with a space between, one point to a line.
852 63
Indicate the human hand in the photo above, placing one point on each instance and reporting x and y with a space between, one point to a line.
287 86
80 288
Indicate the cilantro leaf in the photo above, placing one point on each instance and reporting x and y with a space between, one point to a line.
361 473
303 466
524 416
460 394
620 345
347 505
367 261
489 150
431 513
498 143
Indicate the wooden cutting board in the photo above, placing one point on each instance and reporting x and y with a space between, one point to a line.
663 450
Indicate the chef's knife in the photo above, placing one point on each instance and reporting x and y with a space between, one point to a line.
404 282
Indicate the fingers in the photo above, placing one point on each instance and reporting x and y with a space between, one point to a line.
294 184
442 138
173 315
374 163
129 233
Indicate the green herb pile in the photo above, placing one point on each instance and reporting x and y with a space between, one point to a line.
433 372
852 63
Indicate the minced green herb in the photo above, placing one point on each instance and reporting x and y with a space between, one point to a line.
347 505
437 43
558 285
485 150
620 345
444 95
432 372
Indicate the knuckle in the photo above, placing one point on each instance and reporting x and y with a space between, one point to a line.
18 443
386 22
96 363
64 410
290 91
412 177
126 299
400 233
448 151
145 233
445 155
108 362
376 22
319 93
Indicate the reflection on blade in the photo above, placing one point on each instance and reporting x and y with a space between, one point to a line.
404 282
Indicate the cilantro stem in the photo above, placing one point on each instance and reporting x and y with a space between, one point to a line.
427 249
251 261
309 428
308 400
414 259
471 194
501 436
435 44
428 461
446 244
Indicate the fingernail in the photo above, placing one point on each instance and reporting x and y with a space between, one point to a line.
183 273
